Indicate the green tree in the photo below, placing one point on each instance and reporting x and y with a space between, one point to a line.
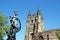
3 25
58 35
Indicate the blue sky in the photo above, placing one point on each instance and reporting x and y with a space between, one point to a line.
50 9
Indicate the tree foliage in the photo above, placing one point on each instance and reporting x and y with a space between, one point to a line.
58 35
3 25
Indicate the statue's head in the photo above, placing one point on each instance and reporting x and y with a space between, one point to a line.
15 12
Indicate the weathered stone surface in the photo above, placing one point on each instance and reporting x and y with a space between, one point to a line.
35 29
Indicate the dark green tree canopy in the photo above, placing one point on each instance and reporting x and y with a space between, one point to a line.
3 25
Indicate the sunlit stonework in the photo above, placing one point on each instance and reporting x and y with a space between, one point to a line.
35 28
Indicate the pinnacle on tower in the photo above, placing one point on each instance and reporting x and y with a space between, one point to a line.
38 12
29 13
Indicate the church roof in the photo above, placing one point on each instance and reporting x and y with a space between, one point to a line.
52 30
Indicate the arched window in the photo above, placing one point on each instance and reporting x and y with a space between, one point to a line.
48 37
32 21
41 38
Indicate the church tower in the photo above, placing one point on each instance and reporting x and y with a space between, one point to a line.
34 24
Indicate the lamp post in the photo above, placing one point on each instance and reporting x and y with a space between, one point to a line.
15 27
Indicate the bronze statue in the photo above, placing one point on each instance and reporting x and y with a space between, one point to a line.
14 28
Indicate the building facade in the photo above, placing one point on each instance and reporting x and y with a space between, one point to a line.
35 28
